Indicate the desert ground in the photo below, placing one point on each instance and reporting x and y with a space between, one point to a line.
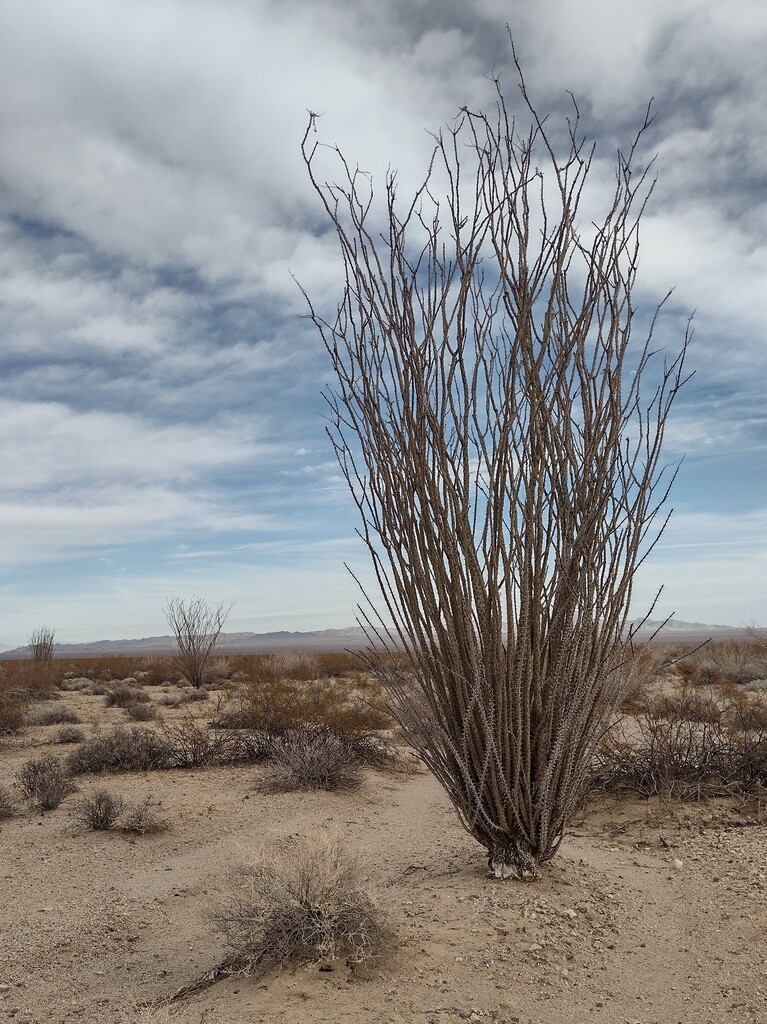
654 911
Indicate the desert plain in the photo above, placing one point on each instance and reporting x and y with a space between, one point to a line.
654 910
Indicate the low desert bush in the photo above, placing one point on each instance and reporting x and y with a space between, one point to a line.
45 782
296 665
722 663
302 904
52 716
7 803
37 680
140 819
99 811
70 734
308 759
123 750
691 743
140 712
158 671
11 714
284 706
102 669
194 744
190 696
123 695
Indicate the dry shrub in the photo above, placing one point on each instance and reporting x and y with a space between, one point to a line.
140 712
141 820
7 803
298 665
123 750
70 734
11 714
283 706
104 669
158 671
311 760
45 782
99 811
691 744
36 680
302 904
195 744
727 662
124 695
190 696
52 716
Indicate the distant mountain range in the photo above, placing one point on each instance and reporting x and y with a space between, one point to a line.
230 643
352 638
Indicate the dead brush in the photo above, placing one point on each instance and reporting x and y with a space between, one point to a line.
52 716
7 803
734 662
124 750
70 734
140 819
195 744
689 744
140 712
99 811
285 705
301 904
45 782
124 695
297 665
311 759
11 714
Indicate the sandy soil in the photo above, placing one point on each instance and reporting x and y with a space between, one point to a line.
648 915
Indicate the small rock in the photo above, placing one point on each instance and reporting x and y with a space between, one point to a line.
569 913
678 864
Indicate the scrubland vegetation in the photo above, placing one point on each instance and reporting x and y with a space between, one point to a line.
691 728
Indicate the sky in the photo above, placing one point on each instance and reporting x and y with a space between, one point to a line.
161 411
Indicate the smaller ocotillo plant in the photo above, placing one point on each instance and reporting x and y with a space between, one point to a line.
196 628
41 644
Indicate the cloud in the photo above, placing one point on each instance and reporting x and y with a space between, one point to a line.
159 392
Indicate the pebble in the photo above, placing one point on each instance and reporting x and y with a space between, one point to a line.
678 864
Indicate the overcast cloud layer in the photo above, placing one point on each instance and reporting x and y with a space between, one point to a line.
160 407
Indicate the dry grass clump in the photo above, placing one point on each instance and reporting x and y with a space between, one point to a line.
70 734
45 782
7 803
52 716
123 750
691 743
102 811
35 680
99 811
302 904
140 819
195 744
140 712
103 669
158 671
297 665
287 705
75 684
11 714
125 694
726 662
311 760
